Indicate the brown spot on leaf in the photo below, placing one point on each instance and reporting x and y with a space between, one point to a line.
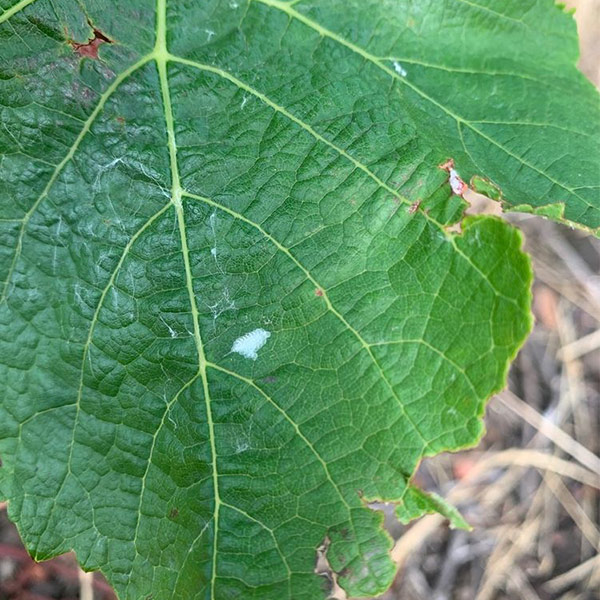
174 513
89 49
446 166
414 207
319 293
322 565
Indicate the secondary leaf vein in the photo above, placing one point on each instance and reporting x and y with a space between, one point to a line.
294 14
57 171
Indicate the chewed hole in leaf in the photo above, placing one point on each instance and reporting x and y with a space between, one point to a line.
90 48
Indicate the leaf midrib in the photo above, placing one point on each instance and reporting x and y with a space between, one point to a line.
18 7
161 56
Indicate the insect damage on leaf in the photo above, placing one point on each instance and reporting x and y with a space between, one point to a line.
90 48
459 187
399 69
414 207
323 569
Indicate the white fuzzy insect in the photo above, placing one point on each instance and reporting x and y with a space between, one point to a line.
250 343
399 69
456 183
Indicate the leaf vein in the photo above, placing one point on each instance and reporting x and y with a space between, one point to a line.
57 171
18 7
161 55
88 342
325 296
294 14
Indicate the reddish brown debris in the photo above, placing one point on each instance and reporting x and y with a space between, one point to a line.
90 48
414 207
446 166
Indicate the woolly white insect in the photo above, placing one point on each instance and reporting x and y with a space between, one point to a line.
399 69
459 187
250 343
456 183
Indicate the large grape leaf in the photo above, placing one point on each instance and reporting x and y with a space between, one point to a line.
233 313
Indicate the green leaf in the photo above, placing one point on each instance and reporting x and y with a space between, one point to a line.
233 312
416 503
